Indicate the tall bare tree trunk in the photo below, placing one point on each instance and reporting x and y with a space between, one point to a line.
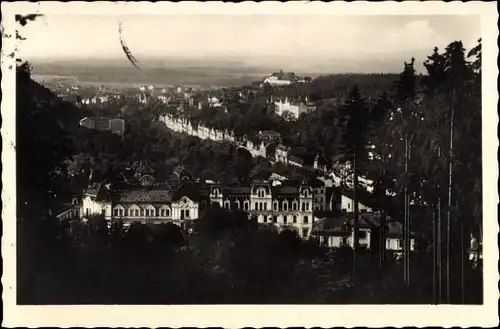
434 257
439 253
356 213
408 219
383 217
405 220
448 219
462 263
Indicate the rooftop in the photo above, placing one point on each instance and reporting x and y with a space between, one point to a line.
285 76
341 225
144 195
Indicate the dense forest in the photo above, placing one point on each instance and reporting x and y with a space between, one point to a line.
427 142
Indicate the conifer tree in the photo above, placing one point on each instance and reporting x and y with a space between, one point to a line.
378 116
354 125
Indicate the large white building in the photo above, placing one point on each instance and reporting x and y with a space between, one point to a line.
281 78
295 108
146 206
287 206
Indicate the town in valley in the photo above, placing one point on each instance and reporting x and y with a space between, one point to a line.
273 185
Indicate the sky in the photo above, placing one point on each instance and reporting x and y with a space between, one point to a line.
308 43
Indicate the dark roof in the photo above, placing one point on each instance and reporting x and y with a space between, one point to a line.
395 230
93 189
370 219
341 225
261 183
142 168
143 195
366 220
285 190
314 182
331 226
236 189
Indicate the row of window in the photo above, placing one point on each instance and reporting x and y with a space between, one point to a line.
262 206
260 194
344 241
118 212
274 219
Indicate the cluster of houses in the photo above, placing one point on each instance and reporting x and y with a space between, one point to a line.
315 209
183 125
265 144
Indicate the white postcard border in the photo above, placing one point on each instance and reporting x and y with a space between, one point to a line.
261 315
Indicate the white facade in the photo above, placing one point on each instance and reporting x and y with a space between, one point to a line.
281 154
261 200
347 204
291 212
92 207
296 109
214 102
275 81
333 241
200 131
396 244
155 209
391 244
343 240
256 149
185 208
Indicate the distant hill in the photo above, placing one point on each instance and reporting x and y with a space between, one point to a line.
211 72
186 73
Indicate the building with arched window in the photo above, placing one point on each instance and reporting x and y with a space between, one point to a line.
145 205
288 206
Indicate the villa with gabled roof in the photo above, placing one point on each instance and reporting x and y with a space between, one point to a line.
145 205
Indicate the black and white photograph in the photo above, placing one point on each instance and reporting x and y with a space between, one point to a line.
260 155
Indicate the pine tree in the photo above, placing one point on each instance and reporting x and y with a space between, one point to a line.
354 125
404 124
450 153
378 124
